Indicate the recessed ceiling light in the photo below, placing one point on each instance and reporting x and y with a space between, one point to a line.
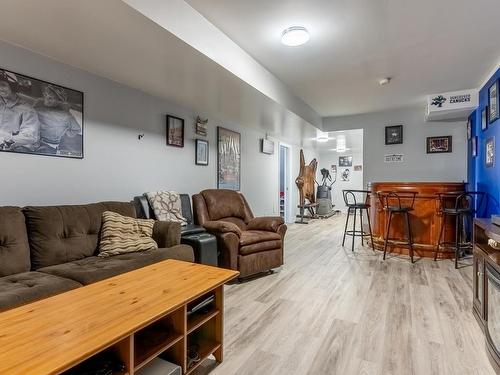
295 36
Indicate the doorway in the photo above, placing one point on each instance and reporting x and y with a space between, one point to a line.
284 182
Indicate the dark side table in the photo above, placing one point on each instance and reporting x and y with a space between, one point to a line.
204 245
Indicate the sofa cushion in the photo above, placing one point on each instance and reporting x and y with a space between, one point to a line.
122 234
235 220
222 203
261 246
26 287
166 205
92 269
14 247
250 237
61 234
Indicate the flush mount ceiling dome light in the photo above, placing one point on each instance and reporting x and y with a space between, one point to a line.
295 36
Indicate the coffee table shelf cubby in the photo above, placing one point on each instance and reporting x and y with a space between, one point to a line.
172 310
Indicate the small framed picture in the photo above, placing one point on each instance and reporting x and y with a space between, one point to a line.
345 161
175 131
493 112
345 175
474 146
394 134
437 145
469 128
490 152
201 152
201 126
484 119
266 146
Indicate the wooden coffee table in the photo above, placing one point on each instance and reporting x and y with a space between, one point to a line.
135 316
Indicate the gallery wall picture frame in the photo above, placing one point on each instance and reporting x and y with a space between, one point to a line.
175 131
474 146
493 105
228 159
469 128
484 119
46 119
489 152
200 127
202 152
266 146
438 145
394 134
345 161
345 175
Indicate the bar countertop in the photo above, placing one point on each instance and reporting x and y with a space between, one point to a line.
425 218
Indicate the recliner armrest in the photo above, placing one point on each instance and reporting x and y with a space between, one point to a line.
268 223
167 233
222 227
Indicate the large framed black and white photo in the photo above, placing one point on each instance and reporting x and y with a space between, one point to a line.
394 135
39 117
493 110
228 159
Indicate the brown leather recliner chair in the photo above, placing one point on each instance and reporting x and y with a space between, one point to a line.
247 244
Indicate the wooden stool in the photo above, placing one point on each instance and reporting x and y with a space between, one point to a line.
353 206
391 203
458 205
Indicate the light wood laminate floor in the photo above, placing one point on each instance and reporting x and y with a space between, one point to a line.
331 311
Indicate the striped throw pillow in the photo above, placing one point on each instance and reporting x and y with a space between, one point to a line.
122 234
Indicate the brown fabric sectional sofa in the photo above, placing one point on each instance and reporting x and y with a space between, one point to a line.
48 250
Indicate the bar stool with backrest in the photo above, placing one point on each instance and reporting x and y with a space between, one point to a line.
353 205
396 203
459 206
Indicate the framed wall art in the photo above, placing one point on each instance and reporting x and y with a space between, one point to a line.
345 175
474 146
493 112
437 145
484 118
394 135
201 152
175 131
228 159
266 146
201 126
345 161
490 152
40 118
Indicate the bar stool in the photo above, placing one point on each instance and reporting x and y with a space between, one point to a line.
460 206
391 203
352 207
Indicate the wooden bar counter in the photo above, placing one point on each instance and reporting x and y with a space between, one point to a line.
425 218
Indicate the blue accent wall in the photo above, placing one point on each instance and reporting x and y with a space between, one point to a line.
480 177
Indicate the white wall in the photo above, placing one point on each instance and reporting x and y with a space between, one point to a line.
355 179
117 165
418 165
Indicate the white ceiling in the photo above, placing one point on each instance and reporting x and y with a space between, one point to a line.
427 46
112 40
353 138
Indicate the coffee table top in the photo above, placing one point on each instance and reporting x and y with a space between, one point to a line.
56 333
